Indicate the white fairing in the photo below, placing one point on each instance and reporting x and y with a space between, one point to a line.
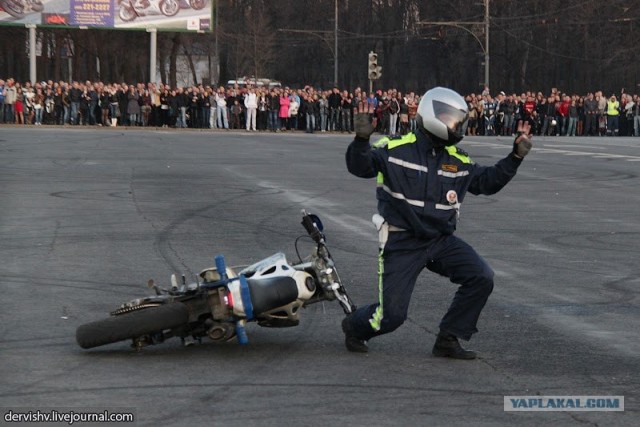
268 267
301 277
277 266
273 266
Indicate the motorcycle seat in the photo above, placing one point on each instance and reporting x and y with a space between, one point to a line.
272 292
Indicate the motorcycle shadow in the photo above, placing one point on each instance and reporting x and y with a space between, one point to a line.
260 346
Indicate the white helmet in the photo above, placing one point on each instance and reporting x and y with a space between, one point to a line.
444 114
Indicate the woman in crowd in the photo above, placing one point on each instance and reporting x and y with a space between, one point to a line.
164 108
262 110
284 110
133 106
294 106
145 106
104 106
323 106
38 106
19 106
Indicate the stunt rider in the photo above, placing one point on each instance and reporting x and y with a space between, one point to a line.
422 180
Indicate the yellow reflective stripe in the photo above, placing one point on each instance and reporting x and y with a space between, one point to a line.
380 143
377 316
453 151
376 319
406 139
380 179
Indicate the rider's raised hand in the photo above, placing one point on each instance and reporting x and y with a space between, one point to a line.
522 144
362 121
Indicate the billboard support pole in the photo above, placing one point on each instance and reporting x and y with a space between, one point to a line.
32 52
153 54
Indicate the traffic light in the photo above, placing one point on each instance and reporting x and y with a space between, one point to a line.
375 71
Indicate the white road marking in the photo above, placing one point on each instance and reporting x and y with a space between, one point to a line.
545 150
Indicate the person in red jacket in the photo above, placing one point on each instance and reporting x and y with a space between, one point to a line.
563 113
529 111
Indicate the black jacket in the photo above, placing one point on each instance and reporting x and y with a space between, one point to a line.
415 178
334 101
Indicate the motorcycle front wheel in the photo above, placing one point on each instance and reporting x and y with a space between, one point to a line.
169 7
127 12
37 6
132 325
197 4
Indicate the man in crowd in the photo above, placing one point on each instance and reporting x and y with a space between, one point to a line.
590 115
75 93
10 96
334 109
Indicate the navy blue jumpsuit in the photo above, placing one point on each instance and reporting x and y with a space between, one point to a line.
420 188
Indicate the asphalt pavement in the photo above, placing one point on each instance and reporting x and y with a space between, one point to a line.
88 215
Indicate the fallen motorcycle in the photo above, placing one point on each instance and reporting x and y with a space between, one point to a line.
270 292
128 10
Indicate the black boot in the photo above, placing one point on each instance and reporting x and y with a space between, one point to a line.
350 341
447 345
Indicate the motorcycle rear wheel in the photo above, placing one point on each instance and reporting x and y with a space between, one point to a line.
197 4
127 12
132 325
169 7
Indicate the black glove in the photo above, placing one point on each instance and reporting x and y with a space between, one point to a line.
362 125
521 145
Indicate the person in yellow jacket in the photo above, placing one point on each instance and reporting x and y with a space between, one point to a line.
613 115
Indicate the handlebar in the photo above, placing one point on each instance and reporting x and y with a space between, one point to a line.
312 228
330 279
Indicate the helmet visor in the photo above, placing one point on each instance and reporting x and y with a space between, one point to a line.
454 119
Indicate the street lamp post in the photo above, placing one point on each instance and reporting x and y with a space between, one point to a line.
486 43
216 46
335 46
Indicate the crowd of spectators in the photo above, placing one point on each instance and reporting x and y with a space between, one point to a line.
558 113
280 109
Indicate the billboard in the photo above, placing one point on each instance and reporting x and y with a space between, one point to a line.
169 15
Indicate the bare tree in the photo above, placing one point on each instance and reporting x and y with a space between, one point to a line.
260 39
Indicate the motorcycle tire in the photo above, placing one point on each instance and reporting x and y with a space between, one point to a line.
132 325
197 4
37 6
13 8
127 12
169 7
